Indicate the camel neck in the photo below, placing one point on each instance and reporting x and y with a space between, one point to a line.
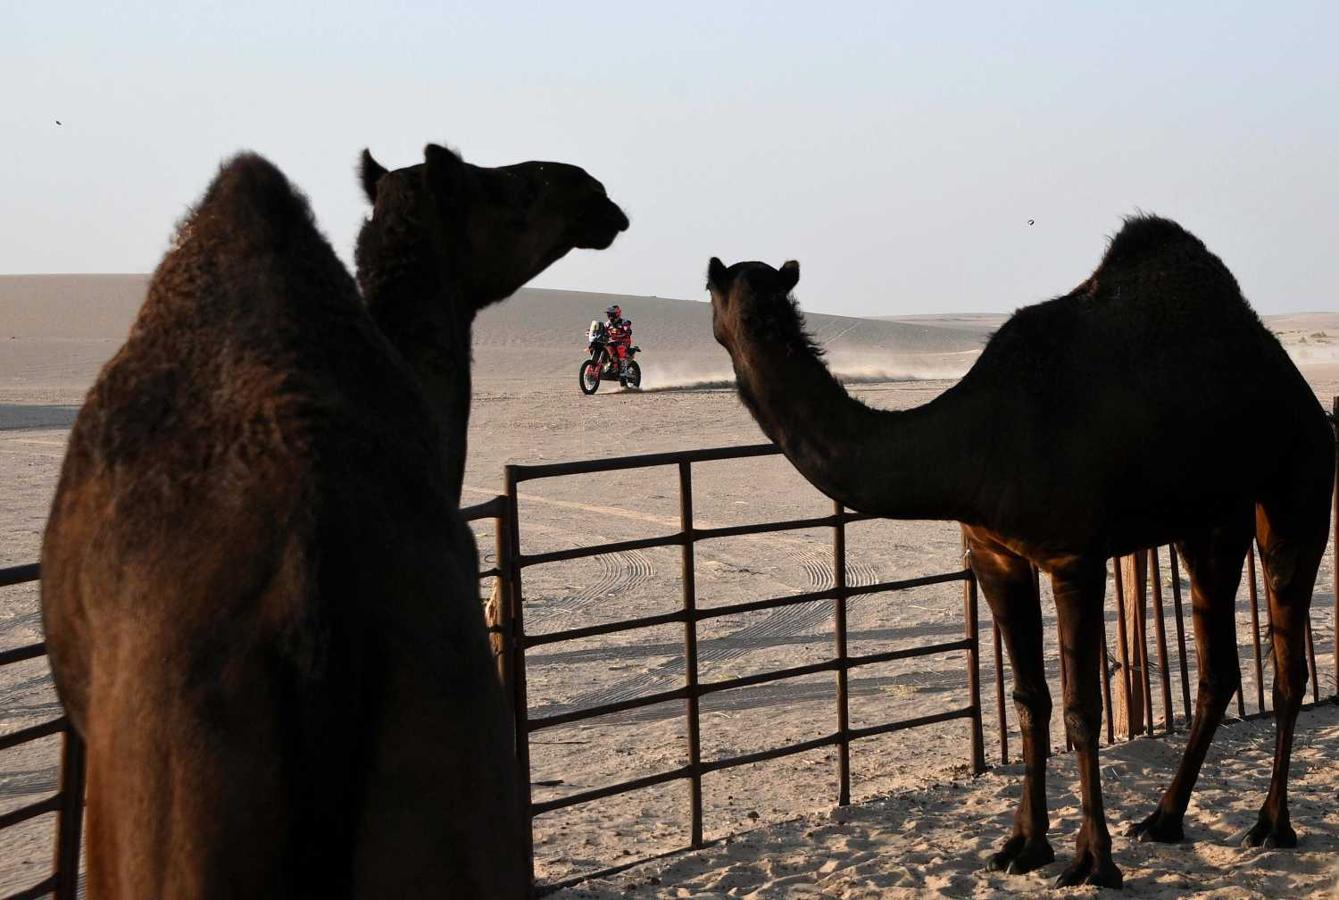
422 314
922 463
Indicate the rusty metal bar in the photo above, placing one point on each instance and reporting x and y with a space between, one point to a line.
712 612
839 638
609 790
690 651
70 824
539 559
1160 634
32 733
495 508
20 574
1123 645
932 719
44 888
999 694
641 461
972 632
572 634
19 654
31 811
704 688
519 701
538 723
1180 634
1255 627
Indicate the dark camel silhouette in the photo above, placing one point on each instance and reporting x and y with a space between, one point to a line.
259 598
1148 405
446 239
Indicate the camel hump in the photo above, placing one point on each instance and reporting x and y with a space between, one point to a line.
1143 237
249 204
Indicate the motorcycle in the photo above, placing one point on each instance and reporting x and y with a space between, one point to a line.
603 364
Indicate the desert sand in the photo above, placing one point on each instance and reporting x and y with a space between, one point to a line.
921 825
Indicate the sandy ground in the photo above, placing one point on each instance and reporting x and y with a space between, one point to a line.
905 834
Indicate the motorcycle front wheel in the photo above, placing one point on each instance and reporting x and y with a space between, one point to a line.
633 377
588 376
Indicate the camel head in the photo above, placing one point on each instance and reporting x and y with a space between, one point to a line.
510 223
751 300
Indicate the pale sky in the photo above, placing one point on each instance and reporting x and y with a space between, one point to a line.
897 150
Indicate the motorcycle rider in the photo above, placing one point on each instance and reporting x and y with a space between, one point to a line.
619 330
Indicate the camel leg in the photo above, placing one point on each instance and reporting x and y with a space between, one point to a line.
1292 538
1006 581
1214 559
1078 603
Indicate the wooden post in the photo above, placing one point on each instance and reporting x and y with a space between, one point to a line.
1141 635
1180 634
1131 574
1255 627
1160 633
1123 649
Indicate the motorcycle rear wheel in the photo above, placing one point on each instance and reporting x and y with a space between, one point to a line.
588 376
632 378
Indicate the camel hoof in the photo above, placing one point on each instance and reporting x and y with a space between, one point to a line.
1018 856
1086 870
1158 827
1270 835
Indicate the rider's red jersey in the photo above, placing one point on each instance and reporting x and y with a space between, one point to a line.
620 331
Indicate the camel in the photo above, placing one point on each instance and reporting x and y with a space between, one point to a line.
447 239
260 600
1149 405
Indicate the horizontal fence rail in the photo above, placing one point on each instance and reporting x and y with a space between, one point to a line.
68 801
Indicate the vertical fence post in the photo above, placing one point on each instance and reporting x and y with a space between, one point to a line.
1180 633
1160 633
1123 645
972 627
1255 627
999 692
839 635
690 652
1334 533
520 705
69 825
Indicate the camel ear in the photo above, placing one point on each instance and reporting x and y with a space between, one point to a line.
369 173
445 173
716 273
790 274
